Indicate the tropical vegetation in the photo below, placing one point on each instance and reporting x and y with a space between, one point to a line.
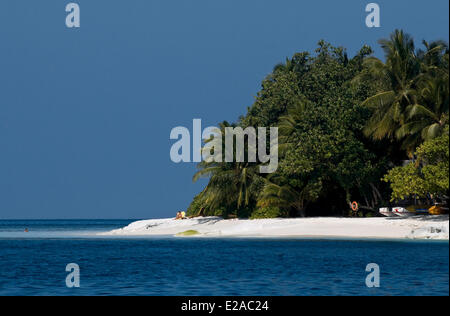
350 128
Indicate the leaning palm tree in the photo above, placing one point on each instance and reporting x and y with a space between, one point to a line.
400 73
230 183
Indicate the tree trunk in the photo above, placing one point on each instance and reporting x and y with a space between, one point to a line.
301 212
300 208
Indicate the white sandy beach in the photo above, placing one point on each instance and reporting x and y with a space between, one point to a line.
419 227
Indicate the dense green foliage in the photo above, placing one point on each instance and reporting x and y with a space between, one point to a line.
267 212
427 175
343 123
414 107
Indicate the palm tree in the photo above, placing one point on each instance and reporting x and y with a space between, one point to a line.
278 192
427 118
288 124
230 183
435 56
400 72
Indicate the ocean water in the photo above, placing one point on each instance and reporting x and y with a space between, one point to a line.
34 263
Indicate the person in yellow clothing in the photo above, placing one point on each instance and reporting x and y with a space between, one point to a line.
180 215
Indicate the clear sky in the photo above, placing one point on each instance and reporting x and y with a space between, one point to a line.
85 114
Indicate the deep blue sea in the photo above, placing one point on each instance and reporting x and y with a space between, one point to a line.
34 263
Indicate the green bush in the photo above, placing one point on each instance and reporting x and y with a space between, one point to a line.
427 175
188 233
267 212
244 212
221 212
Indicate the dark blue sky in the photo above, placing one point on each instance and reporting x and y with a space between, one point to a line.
85 114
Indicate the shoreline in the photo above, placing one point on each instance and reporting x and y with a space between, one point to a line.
412 228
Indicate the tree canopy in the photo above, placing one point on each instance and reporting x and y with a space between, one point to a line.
343 124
